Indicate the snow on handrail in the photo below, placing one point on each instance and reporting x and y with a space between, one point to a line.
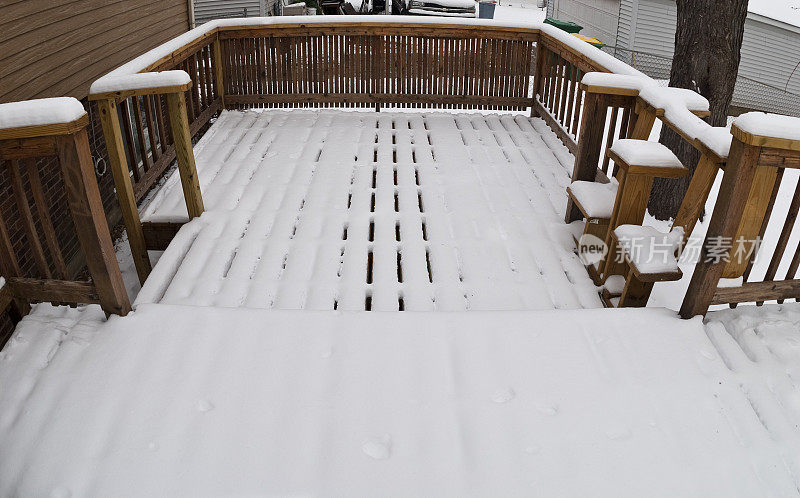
140 81
141 63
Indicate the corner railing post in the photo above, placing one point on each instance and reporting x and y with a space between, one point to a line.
737 180
538 73
83 197
122 181
219 79
179 122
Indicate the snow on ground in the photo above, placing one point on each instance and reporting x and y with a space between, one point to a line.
354 210
176 401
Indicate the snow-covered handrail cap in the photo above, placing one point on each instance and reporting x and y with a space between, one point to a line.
126 85
768 130
664 97
717 140
41 117
615 84
148 59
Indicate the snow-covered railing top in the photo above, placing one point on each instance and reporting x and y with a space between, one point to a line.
153 57
41 117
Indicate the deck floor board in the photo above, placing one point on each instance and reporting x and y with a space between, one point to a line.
382 211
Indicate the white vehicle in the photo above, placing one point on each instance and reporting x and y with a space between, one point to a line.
452 8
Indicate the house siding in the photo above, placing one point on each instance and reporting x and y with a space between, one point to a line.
647 26
206 10
770 54
58 48
598 17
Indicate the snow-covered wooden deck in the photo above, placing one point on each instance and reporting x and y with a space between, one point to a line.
194 401
384 211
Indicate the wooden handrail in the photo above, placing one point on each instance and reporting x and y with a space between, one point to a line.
68 140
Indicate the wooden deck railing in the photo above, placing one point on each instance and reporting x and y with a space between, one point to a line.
68 141
745 206
350 62
366 62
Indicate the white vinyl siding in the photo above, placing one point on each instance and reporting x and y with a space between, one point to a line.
649 28
769 54
598 17
205 10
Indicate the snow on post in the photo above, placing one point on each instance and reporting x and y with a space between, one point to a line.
40 112
137 81
769 125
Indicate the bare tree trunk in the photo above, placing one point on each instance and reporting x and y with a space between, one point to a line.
708 41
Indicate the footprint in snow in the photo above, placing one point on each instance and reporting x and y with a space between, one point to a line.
547 408
503 395
378 448
205 405
533 449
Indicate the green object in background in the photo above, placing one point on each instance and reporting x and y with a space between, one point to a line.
568 26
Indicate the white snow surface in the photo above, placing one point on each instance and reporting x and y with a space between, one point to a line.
769 125
314 209
664 97
648 249
613 80
645 153
135 81
596 198
40 112
176 401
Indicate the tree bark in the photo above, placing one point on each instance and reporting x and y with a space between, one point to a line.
708 42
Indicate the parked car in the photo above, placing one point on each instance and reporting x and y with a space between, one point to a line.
398 7
451 8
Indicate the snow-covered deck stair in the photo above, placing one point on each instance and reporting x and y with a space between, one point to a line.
391 211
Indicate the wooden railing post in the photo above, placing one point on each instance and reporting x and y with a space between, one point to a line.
83 197
219 79
733 195
182 137
538 75
122 181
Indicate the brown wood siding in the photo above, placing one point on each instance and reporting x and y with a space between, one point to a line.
50 49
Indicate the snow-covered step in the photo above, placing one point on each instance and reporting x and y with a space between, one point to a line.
594 199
